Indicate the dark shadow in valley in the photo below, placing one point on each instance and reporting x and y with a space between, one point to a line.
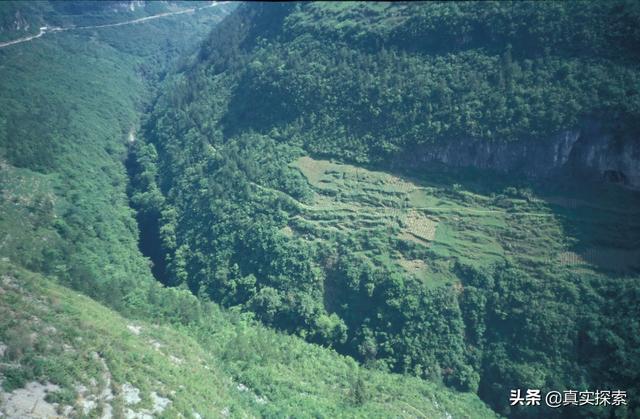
149 241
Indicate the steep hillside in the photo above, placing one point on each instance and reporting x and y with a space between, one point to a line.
368 81
70 102
300 169
85 330
64 354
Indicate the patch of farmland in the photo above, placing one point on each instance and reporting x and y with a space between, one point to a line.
420 226
394 217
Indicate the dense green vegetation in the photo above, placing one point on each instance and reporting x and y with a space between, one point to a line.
261 182
66 137
70 106
482 283
363 81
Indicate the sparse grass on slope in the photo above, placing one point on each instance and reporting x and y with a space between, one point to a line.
230 367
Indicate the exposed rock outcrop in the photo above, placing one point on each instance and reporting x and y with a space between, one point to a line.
588 150
29 402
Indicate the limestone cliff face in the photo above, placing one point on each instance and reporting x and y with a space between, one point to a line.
615 158
589 150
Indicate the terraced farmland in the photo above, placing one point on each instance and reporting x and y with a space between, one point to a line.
423 226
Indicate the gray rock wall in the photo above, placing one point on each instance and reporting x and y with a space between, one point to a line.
589 150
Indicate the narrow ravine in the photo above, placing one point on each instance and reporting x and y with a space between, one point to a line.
148 221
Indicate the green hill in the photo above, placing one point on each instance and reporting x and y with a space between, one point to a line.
281 173
318 209
85 329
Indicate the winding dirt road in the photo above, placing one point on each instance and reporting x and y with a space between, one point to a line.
45 29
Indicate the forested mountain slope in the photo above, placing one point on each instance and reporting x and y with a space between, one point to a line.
368 81
70 101
69 114
293 170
